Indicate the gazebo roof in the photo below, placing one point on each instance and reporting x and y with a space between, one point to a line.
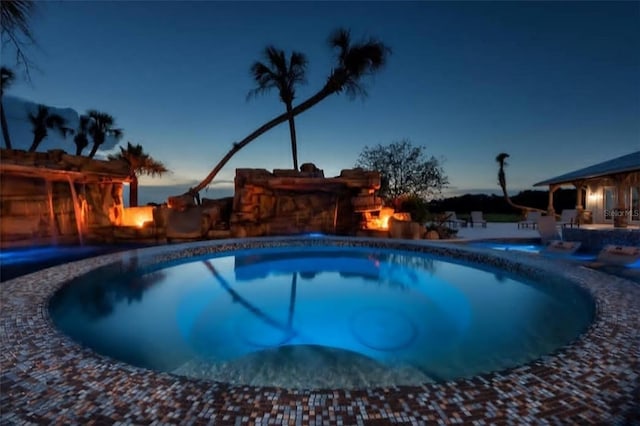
626 163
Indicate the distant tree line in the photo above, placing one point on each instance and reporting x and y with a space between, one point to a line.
562 199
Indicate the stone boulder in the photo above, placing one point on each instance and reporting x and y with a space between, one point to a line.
191 223
405 229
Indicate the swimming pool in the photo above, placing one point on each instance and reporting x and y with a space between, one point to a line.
47 376
15 262
630 271
320 316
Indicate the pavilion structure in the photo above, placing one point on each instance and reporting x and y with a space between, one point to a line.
607 193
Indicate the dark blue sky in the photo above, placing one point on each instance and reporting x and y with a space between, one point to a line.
556 85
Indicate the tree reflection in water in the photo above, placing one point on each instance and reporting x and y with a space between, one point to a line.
99 292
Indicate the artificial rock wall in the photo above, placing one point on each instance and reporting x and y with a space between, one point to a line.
288 202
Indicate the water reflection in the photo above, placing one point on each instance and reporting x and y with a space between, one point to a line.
237 298
98 293
396 309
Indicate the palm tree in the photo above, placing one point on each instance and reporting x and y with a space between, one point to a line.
101 126
14 20
42 122
81 139
140 163
354 62
502 181
8 78
279 74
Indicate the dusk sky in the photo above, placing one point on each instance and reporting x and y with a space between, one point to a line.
555 85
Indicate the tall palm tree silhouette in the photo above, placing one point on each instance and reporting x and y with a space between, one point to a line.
42 122
140 163
354 62
8 77
102 125
502 181
283 75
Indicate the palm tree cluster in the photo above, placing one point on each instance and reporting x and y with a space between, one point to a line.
94 124
279 71
354 61
98 126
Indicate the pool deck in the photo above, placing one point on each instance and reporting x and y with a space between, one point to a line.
48 378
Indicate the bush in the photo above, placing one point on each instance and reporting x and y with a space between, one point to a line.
415 205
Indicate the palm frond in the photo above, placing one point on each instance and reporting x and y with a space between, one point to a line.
15 17
7 78
276 58
116 133
139 161
278 73
55 121
340 39
354 62
83 123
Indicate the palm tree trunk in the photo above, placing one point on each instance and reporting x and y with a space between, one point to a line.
503 184
294 142
37 138
133 191
94 149
326 91
5 129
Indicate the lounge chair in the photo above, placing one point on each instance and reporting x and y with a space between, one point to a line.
547 228
477 219
530 220
618 255
568 217
562 247
453 221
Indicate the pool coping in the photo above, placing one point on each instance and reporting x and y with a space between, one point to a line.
46 377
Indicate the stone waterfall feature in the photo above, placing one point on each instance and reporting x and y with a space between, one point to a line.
288 202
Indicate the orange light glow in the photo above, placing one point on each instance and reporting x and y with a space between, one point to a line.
385 215
382 221
137 216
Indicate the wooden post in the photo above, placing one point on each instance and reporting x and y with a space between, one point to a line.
52 216
620 219
550 209
77 210
579 201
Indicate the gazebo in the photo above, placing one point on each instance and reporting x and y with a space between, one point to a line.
607 192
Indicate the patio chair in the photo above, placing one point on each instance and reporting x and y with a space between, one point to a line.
568 217
453 221
530 220
547 228
477 219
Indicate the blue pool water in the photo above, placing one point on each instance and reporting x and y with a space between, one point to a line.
16 262
630 271
319 317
